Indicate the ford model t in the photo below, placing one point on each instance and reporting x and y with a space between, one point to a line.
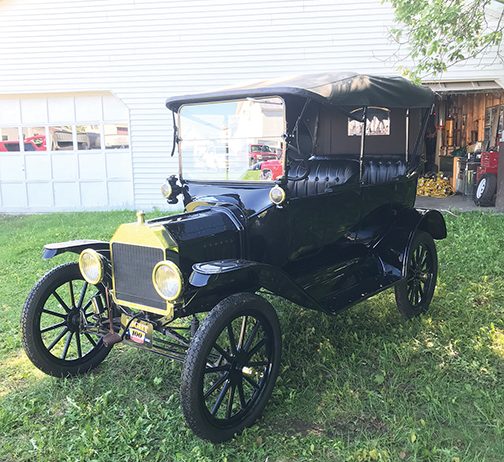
337 226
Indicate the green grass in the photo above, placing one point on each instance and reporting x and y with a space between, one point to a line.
362 386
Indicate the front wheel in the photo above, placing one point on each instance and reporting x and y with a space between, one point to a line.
231 367
53 323
414 293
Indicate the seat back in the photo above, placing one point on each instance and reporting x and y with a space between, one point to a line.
323 175
381 171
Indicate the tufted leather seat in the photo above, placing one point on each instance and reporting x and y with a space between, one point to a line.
381 171
324 174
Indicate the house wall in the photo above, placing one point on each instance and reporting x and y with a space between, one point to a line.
142 51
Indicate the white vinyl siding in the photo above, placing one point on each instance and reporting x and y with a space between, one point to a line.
143 51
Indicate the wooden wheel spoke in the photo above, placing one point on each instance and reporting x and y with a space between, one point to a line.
57 339
91 339
53 313
79 347
241 394
223 352
67 345
71 291
256 348
251 336
229 407
61 301
232 340
215 385
251 381
220 398
82 295
211 369
54 326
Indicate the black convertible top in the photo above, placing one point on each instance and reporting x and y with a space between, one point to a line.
338 89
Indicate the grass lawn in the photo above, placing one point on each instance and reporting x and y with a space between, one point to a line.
362 386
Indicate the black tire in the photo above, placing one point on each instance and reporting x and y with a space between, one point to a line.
484 193
414 293
66 315
246 388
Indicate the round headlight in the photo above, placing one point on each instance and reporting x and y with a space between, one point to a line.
91 266
167 280
277 195
166 190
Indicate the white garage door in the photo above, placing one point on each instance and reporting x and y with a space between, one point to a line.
75 153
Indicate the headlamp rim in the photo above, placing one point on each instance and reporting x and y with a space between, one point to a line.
101 262
177 271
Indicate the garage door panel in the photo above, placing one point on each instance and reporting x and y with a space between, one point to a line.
33 110
14 195
38 167
66 195
11 167
92 166
94 194
65 167
39 194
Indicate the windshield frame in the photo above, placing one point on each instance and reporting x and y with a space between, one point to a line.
249 182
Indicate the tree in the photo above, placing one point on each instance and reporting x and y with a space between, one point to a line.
441 33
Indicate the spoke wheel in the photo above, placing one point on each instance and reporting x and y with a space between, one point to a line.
414 293
56 319
231 367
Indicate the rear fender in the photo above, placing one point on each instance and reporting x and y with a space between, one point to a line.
222 275
393 248
56 248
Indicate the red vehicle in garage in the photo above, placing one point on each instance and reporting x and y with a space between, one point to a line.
486 179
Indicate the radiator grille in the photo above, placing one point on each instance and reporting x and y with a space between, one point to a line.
133 265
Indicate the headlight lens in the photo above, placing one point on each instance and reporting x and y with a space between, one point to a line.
91 265
167 280
277 195
166 190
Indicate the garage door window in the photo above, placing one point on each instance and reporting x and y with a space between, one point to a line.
66 151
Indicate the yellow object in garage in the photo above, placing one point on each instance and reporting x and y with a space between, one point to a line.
434 186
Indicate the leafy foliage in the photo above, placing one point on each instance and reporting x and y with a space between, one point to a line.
441 33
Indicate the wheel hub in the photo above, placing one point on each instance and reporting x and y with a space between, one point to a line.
73 320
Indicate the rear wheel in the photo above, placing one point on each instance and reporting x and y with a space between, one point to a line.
414 293
484 194
231 367
53 323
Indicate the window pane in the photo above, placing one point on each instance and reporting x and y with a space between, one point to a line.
377 124
88 137
9 139
116 135
61 138
34 138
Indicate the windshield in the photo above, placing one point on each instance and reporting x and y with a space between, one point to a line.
233 140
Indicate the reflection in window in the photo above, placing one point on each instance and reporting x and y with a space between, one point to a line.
61 138
116 135
9 139
88 137
377 124
233 140
34 138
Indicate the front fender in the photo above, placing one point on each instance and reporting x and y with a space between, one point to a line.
239 274
51 250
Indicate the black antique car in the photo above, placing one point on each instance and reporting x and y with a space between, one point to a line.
338 226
